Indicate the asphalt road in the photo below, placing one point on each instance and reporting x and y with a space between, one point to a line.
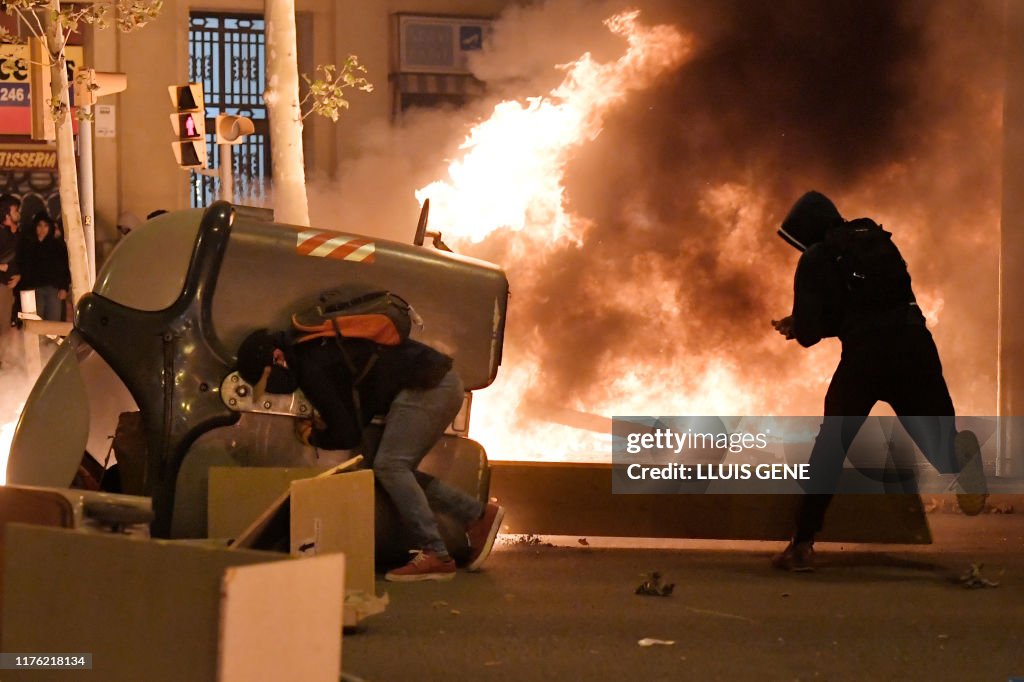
569 612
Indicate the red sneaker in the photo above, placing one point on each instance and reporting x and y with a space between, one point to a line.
425 565
481 534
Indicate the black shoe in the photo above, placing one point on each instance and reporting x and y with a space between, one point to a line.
972 491
798 557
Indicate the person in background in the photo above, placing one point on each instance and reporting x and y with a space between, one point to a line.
43 261
10 217
126 222
852 283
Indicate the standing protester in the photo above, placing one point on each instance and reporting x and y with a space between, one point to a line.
852 282
419 391
10 216
43 261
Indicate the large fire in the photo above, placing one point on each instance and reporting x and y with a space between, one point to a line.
643 310
504 199
510 177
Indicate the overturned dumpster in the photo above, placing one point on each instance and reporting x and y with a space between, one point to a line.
155 342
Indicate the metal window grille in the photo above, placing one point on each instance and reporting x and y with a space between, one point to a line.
227 55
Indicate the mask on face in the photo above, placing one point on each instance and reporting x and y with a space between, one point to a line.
281 380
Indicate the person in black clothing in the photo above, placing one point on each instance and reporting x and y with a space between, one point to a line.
852 282
10 217
43 262
416 386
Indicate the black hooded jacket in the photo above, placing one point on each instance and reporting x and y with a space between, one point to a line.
43 263
851 281
8 251
325 375
811 217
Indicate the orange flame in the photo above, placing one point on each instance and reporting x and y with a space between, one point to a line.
510 175
676 384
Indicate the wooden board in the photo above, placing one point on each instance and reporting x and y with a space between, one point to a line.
265 530
237 495
282 621
145 609
335 514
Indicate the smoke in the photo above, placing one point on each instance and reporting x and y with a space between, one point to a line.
531 42
16 381
892 109
375 192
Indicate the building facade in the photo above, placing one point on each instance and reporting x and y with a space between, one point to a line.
134 167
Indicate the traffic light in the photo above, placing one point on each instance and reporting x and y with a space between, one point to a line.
189 123
232 129
91 84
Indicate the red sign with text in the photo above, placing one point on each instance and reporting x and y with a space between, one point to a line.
15 103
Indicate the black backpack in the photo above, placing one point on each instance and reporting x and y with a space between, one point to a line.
874 274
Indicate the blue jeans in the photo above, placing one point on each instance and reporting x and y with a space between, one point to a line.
48 304
416 421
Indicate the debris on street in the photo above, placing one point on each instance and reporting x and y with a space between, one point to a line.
649 641
653 587
524 540
721 614
972 578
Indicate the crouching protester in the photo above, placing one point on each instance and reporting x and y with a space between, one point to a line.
349 381
852 283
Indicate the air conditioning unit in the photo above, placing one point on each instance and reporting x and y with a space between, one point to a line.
433 44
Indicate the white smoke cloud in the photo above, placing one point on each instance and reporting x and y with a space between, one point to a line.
16 381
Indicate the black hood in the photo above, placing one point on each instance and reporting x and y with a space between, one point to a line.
811 216
257 353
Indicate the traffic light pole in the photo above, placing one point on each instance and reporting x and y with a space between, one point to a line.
224 172
88 85
227 175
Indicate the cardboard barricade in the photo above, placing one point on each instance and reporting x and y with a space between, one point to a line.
166 611
318 513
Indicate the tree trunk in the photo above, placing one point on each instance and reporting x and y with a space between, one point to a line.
67 171
282 98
